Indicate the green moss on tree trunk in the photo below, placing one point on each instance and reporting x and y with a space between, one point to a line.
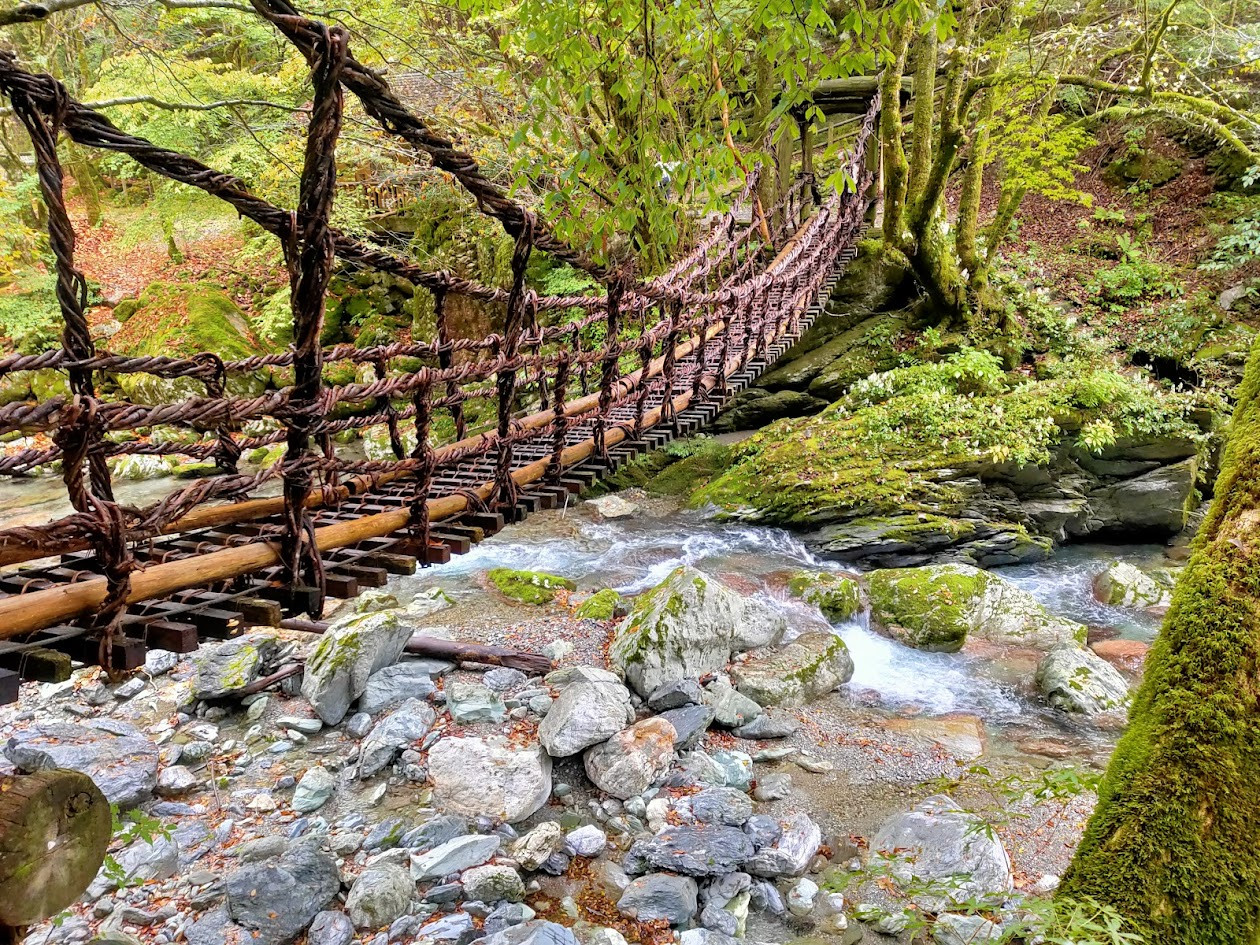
1174 843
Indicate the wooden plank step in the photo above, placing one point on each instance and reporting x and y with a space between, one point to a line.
39 663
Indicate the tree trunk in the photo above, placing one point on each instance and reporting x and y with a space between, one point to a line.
1174 843
896 168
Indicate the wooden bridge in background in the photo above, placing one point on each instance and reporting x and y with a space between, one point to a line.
483 431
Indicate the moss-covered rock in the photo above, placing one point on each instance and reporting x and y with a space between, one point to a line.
837 596
677 469
797 673
937 607
227 667
1076 679
602 605
1143 166
529 587
347 655
1124 585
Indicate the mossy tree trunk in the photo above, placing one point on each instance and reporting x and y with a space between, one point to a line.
1174 843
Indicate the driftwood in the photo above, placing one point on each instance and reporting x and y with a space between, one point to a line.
55 827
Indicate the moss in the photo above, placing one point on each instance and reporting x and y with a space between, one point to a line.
529 587
1174 843
677 469
601 605
185 318
838 597
925 607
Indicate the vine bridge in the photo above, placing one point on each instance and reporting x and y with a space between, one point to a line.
502 425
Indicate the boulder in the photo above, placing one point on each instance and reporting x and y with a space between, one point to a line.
379 896
1157 503
690 723
330 928
407 724
695 850
348 654
454 856
951 928
279 897
943 856
837 596
117 756
602 605
529 587
489 776
791 853
493 883
224 668
731 708
797 673
141 861
1078 680
632 760
537 932
660 897
394 684
612 507
1123 585
676 694
687 626
314 790
937 607
588 711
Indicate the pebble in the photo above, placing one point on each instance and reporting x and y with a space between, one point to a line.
801 897
588 841
131 688
359 725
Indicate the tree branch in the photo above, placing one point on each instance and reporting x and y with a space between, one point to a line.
183 106
37 11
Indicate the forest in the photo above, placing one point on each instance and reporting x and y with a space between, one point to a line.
935 618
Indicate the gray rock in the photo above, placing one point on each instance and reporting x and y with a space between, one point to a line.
586 712
385 836
434 832
454 856
798 673
506 915
121 760
493 883
791 853
731 709
763 830
720 805
687 626
676 694
472 702
588 841
140 862
1078 680
1123 585
801 897
632 760
330 928
279 898
358 725
379 896
764 897
690 722
660 896
217 928
489 776
503 679
943 855
539 845
612 507
768 725
773 787
950 928
348 654
456 927
714 917
708 850
224 668
537 932
705 937
160 662
176 781
314 790
1157 502
406 725
394 684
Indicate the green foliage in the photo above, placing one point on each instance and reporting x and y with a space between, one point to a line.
1038 153
135 826
1134 280
1237 247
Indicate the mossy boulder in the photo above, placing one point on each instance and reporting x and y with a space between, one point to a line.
1143 166
756 407
602 605
797 673
15 387
826 371
227 667
179 320
529 587
677 469
1075 679
347 655
687 626
937 607
1124 585
837 596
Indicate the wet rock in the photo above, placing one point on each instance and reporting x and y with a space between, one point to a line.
937 607
379 896
731 709
475 776
838 597
1123 585
279 898
660 896
537 932
394 684
1155 503
121 760
330 928
588 841
1078 680
612 507
1128 656
768 725
314 790
962 735
943 855
798 673
176 781
690 723
407 724
791 853
706 850
539 845
227 667
493 884
587 711
470 702
687 626
950 928
632 760
676 694
454 856
352 650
